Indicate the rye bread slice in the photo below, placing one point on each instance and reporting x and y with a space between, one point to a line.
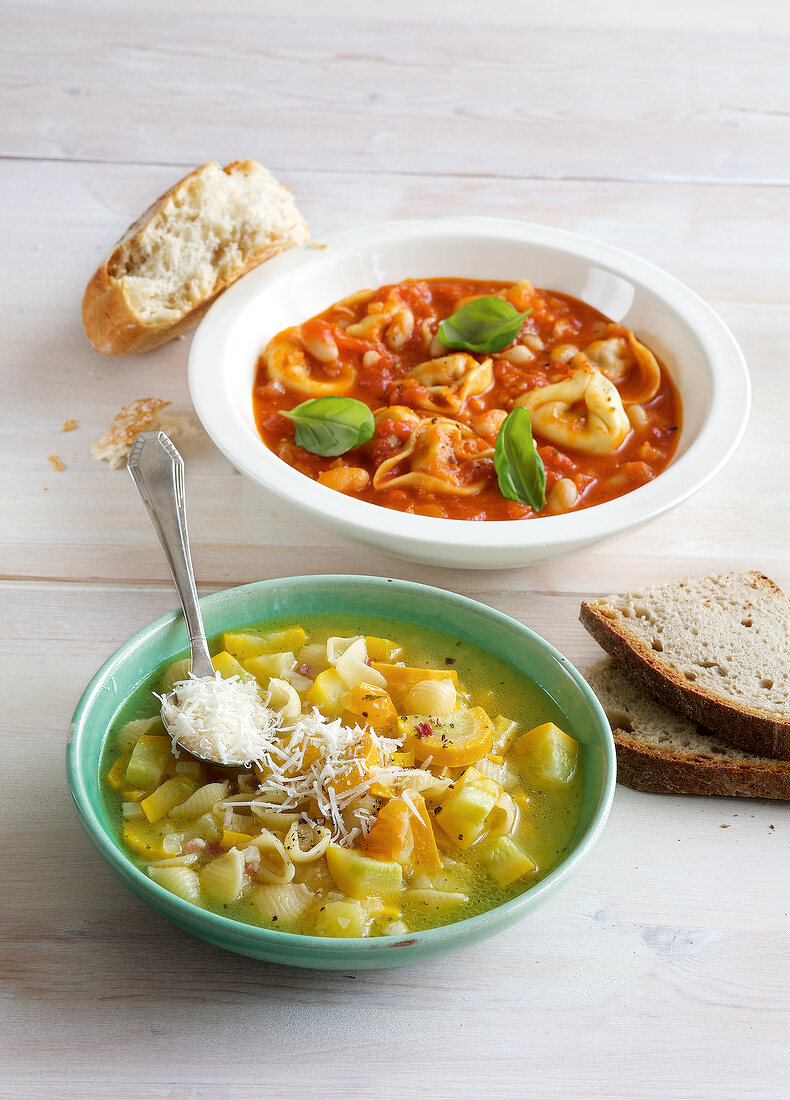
716 649
661 751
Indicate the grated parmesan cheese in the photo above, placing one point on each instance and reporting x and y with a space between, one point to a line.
222 720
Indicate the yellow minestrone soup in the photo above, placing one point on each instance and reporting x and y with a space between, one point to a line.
412 781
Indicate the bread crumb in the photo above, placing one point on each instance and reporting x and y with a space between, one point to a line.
144 415
56 463
69 425
724 826
317 244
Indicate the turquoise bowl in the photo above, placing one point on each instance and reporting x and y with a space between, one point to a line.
292 598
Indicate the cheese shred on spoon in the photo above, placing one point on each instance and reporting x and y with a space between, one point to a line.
222 720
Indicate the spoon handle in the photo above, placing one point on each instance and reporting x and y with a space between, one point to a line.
158 472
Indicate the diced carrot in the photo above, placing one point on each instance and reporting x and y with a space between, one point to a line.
390 837
373 704
425 854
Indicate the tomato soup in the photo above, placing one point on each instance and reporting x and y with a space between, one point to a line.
605 414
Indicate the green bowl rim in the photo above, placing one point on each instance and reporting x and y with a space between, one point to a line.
238 930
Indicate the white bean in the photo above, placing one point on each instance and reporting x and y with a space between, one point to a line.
322 350
637 414
562 496
370 358
564 353
436 348
399 329
517 355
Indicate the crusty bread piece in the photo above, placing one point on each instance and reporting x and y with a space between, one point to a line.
659 750
190 245
716 649
145 415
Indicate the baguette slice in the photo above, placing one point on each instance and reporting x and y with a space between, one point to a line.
661 751
190 245
716 649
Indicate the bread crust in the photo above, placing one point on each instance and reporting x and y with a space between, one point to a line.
645 769
748 727
111 322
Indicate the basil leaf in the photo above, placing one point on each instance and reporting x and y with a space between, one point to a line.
331 426
484 324
519 467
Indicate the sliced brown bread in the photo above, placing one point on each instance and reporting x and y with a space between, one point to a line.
662 751
716 649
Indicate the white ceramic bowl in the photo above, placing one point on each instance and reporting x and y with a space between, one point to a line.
698 349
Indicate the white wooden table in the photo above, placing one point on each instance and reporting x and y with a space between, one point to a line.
663 969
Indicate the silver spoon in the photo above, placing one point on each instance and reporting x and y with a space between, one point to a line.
158 472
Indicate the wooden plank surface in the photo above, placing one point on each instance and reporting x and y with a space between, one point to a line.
661 970
506 100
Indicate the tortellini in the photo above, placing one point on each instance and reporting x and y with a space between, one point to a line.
440 456
629 364
391 321
445 384
583 412
286 360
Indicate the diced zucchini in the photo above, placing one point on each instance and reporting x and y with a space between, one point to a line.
463 813
242 646
116 774
145 837
176 670
505 862
292 638
171 793
328 693
148 762
549 752
504 732
228 666
341 920
359 875
434 901
266 666
245 644
131 731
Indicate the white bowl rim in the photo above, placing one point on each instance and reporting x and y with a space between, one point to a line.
714 445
